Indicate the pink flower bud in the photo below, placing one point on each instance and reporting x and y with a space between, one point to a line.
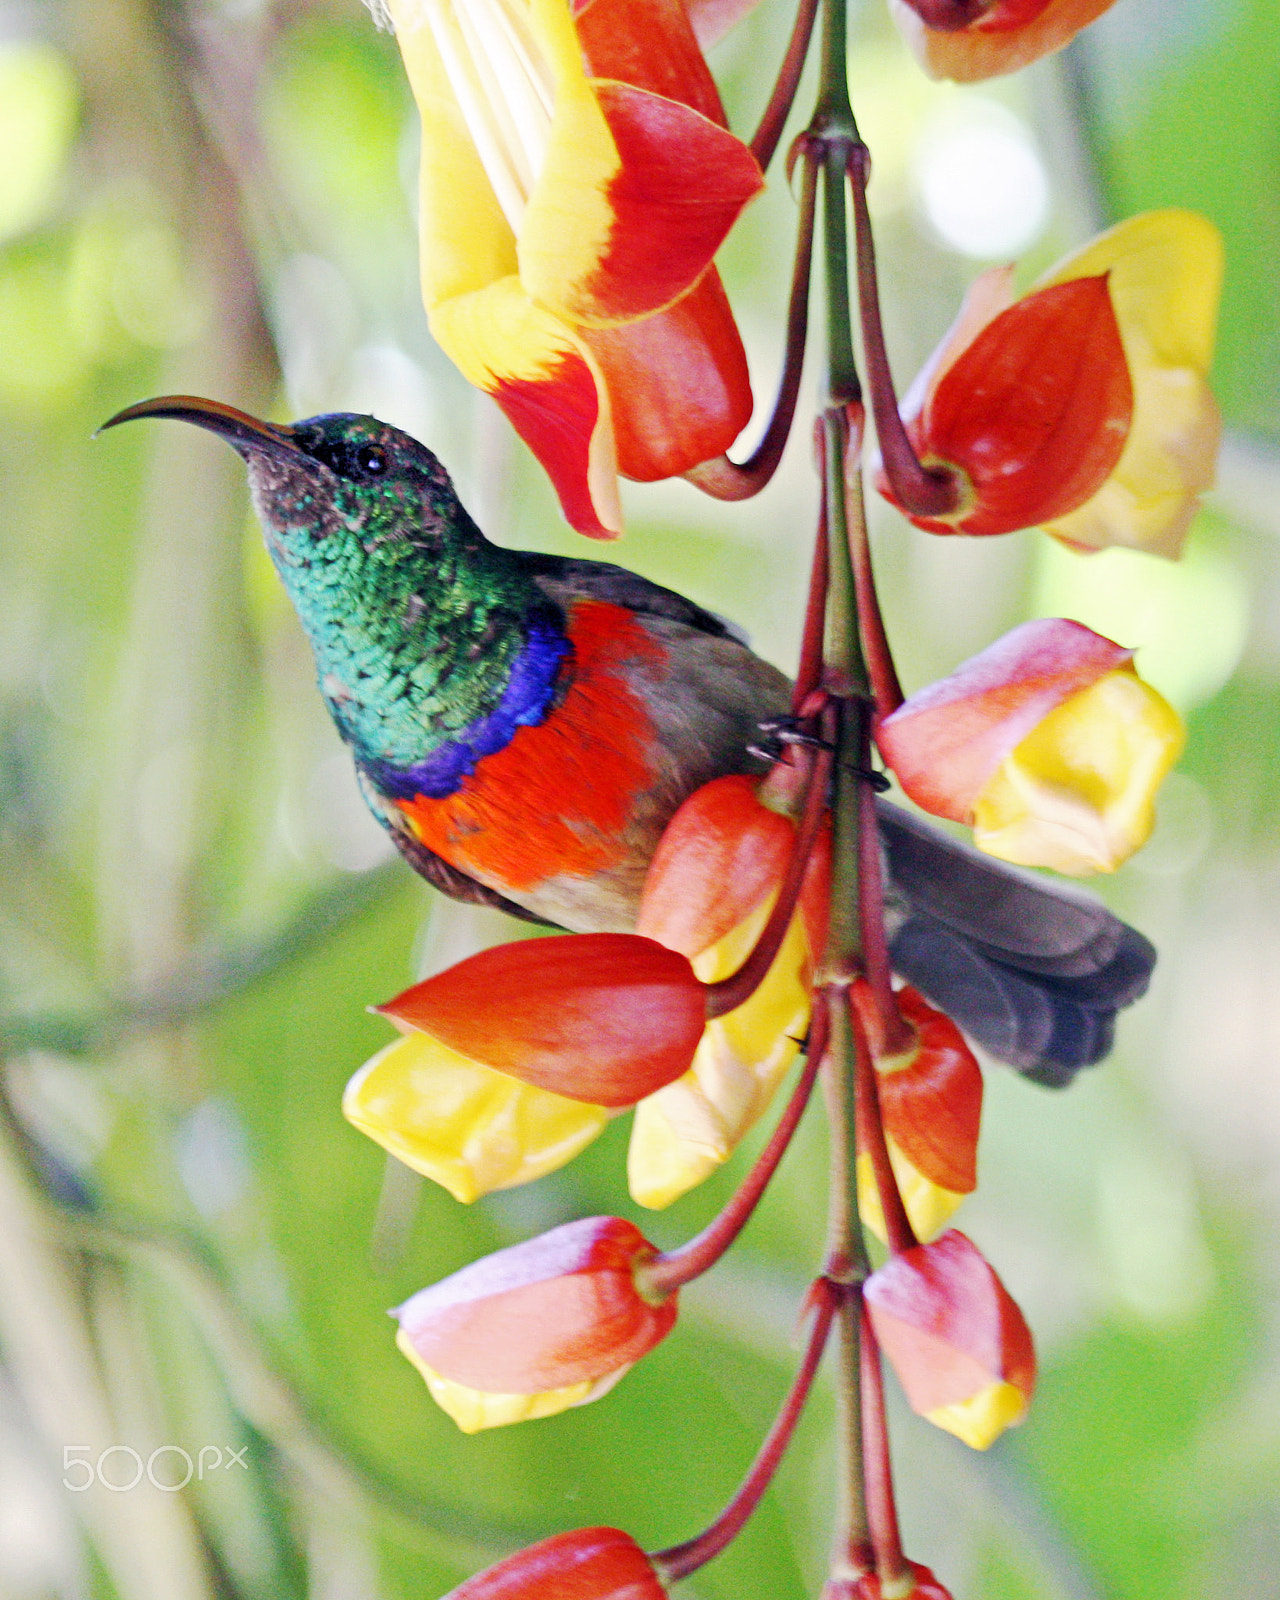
954 1336
555 1311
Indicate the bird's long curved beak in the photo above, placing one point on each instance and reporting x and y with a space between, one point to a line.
242 431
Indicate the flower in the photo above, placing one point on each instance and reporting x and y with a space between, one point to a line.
1002 35
931 1108
867 1586
468 1127
1047 743
577 179
708 893
585 1564
1083 406
604 1018
954 1336
1033 410
536 1328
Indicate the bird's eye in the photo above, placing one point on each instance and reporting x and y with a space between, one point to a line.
371 460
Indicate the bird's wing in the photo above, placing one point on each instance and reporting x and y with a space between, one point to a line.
1033 970
564 576
450 880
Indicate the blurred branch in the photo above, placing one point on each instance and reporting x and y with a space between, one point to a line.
207 982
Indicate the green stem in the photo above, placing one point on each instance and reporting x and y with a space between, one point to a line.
834 128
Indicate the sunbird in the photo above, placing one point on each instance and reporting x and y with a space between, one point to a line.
524 726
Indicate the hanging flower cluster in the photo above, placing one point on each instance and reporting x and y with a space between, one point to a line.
578 177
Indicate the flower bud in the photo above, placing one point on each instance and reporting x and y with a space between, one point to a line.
586 1564
1002 37
1047 743
1033 412
954 1336
930 1108
917 1583
535 1328
602 1017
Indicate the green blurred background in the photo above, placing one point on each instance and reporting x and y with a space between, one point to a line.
196 1252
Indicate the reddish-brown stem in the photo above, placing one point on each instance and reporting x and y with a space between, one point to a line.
682 1559
885 687
809 669
729 993
767 135
882 1511
727 480
871 1141
918 490
664 1274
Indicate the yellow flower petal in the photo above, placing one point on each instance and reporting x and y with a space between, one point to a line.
466 241
1165 279
569 219
467 1127
474 1409
1078 793
981 1419
683 1132
929 1206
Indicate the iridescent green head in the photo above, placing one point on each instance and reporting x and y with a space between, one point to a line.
413 615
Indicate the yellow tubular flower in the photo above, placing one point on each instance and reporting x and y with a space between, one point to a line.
573 192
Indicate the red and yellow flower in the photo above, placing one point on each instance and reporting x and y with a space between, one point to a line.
577 179
514 1060
532 1330
709 891
930 1099
973 41
954 1336
1082 407
1047 744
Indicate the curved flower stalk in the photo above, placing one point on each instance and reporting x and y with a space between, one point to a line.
1047 744
972 39
534 1329
1083 406
930 1100
952 1333
577 179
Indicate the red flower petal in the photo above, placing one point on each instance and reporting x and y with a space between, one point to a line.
650 45
680 188
931 1106
945 741
1036 411
557 416
679 390
721 854
602 1017
557 1310
586 1564
948 1324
